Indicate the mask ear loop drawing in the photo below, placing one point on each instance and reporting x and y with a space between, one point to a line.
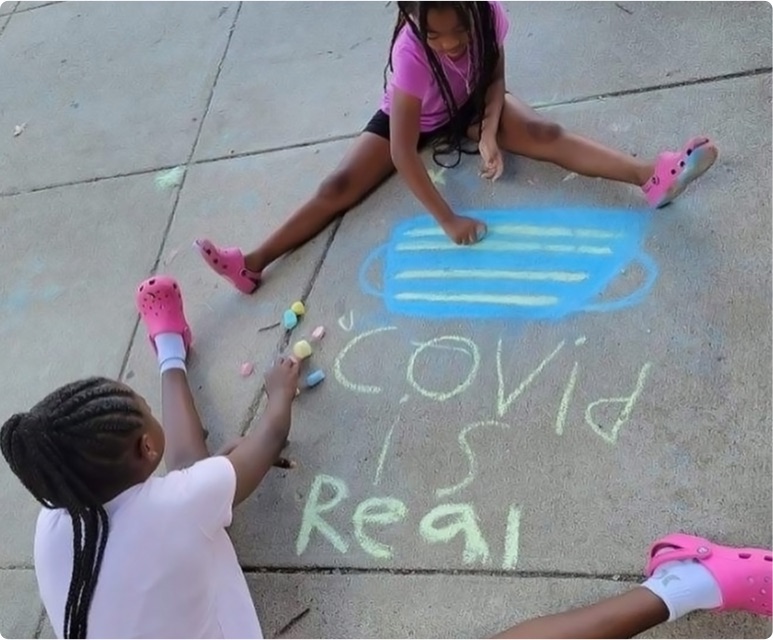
365 284
635 297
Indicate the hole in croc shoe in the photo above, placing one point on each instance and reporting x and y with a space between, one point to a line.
174 285
744 556
208 251
214 260
152 282
768 559
142 287
689 151
681 163
673 172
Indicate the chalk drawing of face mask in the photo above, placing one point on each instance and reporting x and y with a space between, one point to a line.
533 264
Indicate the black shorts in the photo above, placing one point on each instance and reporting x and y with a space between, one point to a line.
379 124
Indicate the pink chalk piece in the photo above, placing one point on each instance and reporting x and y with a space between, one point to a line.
247 369
318 333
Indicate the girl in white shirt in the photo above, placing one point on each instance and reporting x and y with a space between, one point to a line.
119 552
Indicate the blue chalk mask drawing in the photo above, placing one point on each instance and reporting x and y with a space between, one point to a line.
534 263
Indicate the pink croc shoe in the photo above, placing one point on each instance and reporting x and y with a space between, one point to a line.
229 263
675 170
160 305
743 575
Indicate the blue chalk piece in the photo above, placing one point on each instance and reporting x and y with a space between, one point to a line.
289 319
315 377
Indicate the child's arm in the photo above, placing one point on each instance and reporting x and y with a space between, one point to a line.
491 156
495 99
404 135
255 454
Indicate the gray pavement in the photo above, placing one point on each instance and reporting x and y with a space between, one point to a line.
559 444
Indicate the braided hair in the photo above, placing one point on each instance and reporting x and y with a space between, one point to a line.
478 20
67 451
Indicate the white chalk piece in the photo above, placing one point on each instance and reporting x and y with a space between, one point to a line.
314 378
318 334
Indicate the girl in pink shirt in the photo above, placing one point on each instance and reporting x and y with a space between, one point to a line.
446 85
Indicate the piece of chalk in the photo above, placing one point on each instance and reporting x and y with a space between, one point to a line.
247 369
302 349
298 308
314 378
289 319
318 333
297 392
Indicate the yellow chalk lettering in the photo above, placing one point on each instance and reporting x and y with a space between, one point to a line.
503 404
377 511
337 370
346 321
384 450
563 408
464 345
313 509
470 454
512 539
462 521
628 403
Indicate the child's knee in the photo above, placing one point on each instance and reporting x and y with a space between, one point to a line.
336 186
544 131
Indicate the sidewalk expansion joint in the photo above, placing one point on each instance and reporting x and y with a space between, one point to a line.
187 164
349 136
486 573
254 407
656 87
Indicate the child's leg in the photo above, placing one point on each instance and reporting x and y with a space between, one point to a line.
523 131
686 574
623 616
367 164
182 425
160 305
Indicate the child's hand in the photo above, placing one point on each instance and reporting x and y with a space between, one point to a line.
282 379
491 158
464 230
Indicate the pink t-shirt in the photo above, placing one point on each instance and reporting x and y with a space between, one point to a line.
413 75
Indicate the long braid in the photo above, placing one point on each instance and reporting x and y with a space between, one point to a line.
70 443
478 19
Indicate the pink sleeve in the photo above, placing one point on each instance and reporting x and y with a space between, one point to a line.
501 22
203 494
411 72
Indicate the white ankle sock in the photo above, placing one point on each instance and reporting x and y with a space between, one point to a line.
684 586
171 351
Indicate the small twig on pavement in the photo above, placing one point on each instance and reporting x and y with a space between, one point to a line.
293 622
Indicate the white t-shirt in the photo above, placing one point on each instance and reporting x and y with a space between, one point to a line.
169 570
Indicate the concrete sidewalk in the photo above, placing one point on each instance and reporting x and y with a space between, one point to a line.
560 442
